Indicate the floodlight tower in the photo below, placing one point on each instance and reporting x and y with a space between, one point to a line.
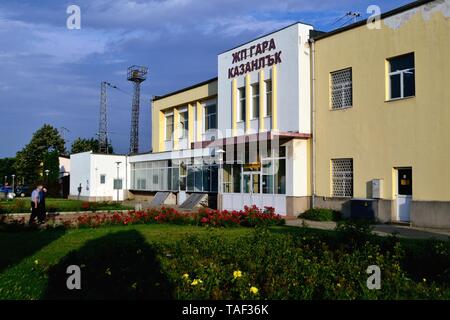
137 75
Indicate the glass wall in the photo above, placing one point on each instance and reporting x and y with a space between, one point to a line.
267 175
154 176
174 175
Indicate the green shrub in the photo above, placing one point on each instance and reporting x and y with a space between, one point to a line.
354 232
52 209
21 206
321 214
282 266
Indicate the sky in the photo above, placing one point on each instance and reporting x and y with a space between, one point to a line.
52 74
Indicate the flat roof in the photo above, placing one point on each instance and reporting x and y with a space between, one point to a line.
156 98
387 14
267 34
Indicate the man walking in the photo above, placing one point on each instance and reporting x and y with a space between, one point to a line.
34 204
42 214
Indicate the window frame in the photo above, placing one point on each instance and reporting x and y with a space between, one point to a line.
255 96
268 98
342 177
183 126
206 115
166 116
401 73
342 90
242 104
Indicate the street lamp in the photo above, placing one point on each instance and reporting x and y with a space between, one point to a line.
13 190
117 187
220 153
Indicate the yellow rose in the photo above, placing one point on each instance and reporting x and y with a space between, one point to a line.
237 274
196 282
254 290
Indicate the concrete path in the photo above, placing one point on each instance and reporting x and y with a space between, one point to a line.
380 229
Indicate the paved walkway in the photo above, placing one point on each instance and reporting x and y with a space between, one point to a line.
380 229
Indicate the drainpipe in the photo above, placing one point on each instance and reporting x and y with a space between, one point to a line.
313 121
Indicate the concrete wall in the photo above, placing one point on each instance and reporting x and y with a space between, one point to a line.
298 168
297 205
432 214
80 174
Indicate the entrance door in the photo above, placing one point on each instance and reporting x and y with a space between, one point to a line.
251 183
404 194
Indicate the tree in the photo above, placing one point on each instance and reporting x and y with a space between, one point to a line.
7 169
31 160
83 145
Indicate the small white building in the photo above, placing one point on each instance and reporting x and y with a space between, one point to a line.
93 177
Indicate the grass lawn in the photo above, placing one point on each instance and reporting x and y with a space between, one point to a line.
22 205
164 261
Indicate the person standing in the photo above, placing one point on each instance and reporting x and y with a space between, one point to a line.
42 215
79 191
34 204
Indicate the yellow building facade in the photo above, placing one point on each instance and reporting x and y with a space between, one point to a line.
382 116
191 100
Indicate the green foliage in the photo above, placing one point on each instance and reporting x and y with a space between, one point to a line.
31 160
283 266
83 145
21 205
321 214
186 262
7 169
59 205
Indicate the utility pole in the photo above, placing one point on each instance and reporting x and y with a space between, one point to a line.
103 123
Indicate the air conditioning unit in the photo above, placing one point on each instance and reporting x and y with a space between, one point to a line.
377 188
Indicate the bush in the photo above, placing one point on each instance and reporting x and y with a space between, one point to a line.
21 206
354 232
321 214
266 265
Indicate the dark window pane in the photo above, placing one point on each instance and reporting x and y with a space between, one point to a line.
405 181
395 86
409 88
403 62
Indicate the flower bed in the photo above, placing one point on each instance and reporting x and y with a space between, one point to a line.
249 217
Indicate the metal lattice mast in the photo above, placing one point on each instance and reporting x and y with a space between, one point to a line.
103 125
137 75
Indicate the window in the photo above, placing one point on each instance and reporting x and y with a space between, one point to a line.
184 123
169 126
210 117
102 179
268 98
402 77
255 101
242 103
232 178
342 173
341 89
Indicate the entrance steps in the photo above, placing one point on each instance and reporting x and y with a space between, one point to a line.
194 200
159 198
